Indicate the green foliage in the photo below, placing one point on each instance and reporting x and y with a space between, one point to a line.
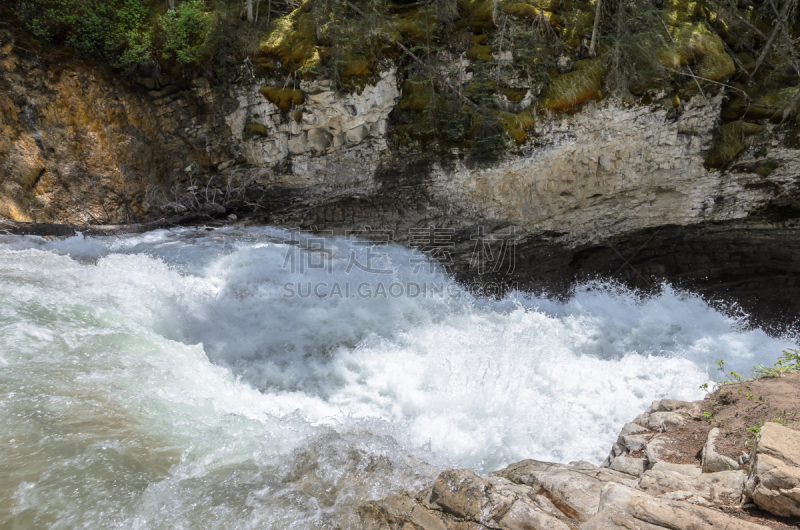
787 363
187 31
115 30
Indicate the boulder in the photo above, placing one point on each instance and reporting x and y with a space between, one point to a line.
212 208
725 486
573 488
629 465
774 479
712 460
622 507
494 502
298 144
395 511
356 134
319 139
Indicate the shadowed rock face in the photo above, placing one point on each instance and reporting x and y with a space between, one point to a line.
612 192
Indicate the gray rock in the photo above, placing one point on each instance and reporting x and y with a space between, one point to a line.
626 508
712 460
573 488
356 134
774 479
319 139
683 469
212 208
174 208
629 465
725 486
298 144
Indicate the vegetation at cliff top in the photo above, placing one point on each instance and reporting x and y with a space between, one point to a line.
475 71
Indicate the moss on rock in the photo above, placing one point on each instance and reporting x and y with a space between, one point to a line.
256 128
583 83
728 142
417 95
283 98
695 45
292 39
516 125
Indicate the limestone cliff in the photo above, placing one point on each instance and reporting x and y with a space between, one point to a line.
617 189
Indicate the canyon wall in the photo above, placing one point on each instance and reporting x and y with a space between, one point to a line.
616 190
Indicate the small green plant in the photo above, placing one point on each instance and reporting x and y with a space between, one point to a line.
749 397
754 430
788 362
710 417
704 386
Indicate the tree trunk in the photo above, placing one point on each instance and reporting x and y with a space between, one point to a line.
494 11
250 18
171 4
594 30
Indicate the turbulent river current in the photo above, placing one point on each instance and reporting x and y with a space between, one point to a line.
235 379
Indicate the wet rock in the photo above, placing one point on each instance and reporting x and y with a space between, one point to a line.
712 460
774 479
460 492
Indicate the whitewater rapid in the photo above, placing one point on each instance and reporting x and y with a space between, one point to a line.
172 379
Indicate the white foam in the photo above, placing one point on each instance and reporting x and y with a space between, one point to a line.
164 379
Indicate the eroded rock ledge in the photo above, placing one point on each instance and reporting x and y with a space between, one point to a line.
642 485
617 190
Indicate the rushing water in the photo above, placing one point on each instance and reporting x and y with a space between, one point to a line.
171 380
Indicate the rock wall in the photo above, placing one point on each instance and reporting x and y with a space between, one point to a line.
615 190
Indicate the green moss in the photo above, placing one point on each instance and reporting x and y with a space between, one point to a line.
696 46
766 169
478 14
582 84
728 142
522 11
417 26
480 53
283 98
292 40
256 128
417 96
516 125
514 95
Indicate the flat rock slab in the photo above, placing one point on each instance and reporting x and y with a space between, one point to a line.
626 508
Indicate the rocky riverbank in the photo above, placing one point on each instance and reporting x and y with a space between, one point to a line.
730 461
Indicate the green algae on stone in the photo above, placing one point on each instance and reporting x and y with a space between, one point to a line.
728 142
283 98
